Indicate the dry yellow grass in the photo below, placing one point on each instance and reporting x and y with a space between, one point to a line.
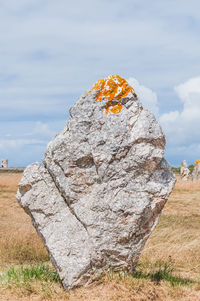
176 239
18 239
177 235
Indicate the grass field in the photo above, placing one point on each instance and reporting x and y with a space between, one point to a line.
168 269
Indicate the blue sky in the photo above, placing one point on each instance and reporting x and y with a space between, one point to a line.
53 51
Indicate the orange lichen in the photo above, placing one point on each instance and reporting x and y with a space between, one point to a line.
197 162
114 108
113 88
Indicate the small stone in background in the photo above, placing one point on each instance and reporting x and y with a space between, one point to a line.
196 171
184 171
4 163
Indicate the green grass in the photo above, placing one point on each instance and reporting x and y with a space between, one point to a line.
177 169
162 272
191 167
23 275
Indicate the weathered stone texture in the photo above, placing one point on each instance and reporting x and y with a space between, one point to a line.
4 163
196 171
101 190
184 171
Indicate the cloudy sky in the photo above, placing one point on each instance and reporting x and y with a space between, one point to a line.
53 51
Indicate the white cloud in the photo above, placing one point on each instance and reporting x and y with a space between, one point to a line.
24 142
187 89
147 97
43 129
182 126
18 143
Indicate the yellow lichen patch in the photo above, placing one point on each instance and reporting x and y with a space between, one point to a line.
113 88
113 108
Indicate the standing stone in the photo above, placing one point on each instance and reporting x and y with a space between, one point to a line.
103 185
184 171
196 171
4 163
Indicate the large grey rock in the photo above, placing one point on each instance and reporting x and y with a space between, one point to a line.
101 190
184 171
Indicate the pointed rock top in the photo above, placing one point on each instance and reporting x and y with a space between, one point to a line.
113 88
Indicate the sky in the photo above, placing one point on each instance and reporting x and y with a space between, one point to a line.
53 51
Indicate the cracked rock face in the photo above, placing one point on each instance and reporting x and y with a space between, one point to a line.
103 185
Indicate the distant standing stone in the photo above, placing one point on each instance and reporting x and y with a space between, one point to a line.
196 171
4 163
184 171
103 185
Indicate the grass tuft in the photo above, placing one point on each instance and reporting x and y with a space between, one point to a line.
159 271
162 272
23 275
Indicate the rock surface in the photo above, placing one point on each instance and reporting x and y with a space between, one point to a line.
184 171
196 171
103 185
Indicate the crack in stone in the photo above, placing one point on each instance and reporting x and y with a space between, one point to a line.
64 198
